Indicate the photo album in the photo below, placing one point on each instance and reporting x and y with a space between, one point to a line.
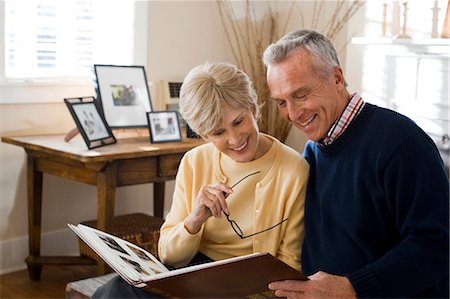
241 276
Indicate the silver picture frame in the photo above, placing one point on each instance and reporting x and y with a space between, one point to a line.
123 95
164 126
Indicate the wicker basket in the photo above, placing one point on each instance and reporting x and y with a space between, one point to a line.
137 228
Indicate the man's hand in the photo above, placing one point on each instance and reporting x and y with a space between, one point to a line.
319 285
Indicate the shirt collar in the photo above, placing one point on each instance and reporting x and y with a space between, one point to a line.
352 109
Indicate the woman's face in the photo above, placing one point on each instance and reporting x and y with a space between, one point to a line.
238 136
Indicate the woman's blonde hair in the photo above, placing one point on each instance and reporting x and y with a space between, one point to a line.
208 89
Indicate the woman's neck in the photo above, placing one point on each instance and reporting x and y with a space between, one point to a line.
263 147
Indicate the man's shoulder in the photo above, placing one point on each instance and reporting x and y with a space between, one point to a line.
388 130
385 117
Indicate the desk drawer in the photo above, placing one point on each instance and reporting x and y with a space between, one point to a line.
137 171
168 165
147 170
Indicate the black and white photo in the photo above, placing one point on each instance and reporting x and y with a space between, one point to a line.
164 126
90 123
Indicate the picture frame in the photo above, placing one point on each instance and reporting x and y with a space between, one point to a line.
90 122
164 126
123 95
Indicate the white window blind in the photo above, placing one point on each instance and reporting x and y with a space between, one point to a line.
54 38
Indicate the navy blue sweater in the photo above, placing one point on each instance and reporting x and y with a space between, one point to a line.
377 208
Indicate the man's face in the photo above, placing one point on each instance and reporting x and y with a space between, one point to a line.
310 102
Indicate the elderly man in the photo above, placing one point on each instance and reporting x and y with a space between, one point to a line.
377 204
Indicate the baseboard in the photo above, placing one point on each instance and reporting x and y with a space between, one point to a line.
13 252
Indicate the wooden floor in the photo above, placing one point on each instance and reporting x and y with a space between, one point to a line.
52 284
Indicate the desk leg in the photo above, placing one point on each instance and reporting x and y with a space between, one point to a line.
34 186
106 194
158 199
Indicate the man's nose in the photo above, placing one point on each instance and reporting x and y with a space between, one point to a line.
293 111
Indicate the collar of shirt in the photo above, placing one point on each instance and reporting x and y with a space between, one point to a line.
353 108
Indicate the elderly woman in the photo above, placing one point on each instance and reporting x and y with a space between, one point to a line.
241 192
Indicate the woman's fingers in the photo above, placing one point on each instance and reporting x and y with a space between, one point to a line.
222 192
213 197
209 201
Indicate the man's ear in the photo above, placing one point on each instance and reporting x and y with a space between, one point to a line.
339 79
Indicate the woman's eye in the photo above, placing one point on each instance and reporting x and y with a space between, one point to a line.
218 133
238 122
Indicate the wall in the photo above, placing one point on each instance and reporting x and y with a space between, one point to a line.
409 75
368 24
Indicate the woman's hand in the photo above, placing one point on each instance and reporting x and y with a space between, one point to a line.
210 202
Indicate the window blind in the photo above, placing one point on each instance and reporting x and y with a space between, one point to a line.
50 38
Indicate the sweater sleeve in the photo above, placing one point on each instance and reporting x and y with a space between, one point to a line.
176 246
289 250
417 194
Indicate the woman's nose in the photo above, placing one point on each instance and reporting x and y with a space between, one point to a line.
233 137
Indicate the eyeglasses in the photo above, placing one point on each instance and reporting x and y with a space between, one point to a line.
236 227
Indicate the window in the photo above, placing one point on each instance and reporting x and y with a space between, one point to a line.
51 41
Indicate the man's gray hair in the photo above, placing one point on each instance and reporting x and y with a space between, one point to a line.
319 46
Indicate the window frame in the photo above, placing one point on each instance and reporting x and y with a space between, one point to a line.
54 90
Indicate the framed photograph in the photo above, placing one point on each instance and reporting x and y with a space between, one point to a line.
123 94
90 123
163 126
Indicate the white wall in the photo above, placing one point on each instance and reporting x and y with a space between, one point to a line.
408 75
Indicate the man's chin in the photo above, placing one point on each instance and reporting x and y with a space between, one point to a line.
310 136
313 137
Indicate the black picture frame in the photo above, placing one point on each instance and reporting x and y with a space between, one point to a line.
123 94
164 126
90 122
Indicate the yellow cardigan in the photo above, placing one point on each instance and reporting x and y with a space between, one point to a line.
280 194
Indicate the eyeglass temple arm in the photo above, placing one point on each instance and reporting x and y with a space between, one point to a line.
253 173
267 229
250 174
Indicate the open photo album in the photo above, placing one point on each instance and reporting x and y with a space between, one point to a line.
241 276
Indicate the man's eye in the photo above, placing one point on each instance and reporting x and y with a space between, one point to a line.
302 96
281 103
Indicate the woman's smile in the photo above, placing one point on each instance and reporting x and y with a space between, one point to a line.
242 147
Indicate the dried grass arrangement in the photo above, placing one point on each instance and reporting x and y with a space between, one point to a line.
259 24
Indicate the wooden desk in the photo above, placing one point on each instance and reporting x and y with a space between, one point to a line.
129 162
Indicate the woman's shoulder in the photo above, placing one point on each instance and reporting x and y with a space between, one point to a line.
202 152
